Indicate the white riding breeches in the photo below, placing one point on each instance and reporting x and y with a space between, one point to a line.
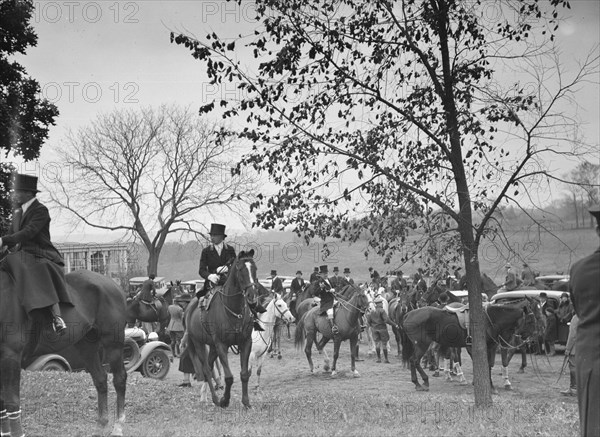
330 313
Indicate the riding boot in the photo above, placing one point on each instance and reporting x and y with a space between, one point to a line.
255 324
58 323
378 355
385 356
334 328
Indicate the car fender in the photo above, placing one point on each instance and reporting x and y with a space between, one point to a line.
146 349
40 361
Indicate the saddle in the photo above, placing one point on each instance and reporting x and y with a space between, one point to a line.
204 302
462 313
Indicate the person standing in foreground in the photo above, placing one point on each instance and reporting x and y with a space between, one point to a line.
570 352
36 266
584 286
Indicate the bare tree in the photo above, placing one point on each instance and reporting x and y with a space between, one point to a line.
151 173
586 182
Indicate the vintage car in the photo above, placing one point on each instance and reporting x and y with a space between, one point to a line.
192 285
160 284
516 295
141 353
554 282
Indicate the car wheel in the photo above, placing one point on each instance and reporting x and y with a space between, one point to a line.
156 365
131 353
54 365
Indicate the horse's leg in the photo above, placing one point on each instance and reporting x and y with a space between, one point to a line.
523 350
245 372
415 365
114 356
222 352
353 349
10 392
259 363
336 353
310 338
90 352
505 361
202 365
399 347
491 359
321 348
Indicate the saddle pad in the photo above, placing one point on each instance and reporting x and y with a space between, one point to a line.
462 314
209 296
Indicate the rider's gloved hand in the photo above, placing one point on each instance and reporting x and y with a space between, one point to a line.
214 278
222 269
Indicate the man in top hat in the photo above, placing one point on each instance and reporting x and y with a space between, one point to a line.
276 284
335 280
585 295
314 276
215 259
325 291
347 280
34 262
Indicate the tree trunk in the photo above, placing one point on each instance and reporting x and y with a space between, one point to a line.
576 213
153 255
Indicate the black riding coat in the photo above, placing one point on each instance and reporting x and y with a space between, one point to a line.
210 260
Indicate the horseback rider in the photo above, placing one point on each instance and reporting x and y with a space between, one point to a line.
215 261
335 280
511 279
147 293
325 291
347 280
34 262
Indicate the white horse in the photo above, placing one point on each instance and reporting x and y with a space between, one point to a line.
371 295
261 340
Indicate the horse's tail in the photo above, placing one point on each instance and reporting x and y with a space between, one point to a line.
299 335
408 348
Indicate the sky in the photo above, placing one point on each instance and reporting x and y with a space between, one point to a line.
94 56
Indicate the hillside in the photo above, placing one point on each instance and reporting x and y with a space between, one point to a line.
284 252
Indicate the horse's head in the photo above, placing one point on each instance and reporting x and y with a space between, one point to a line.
244 272
533 322
361 300
281 309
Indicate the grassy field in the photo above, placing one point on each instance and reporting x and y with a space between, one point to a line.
293 402
545 253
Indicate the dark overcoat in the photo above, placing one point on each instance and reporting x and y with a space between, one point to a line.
210 260
324 290
37 266
584 286
277 286
297 285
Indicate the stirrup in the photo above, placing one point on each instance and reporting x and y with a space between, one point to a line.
59 326
334 329
469 340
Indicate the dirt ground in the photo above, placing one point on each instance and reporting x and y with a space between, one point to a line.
292 401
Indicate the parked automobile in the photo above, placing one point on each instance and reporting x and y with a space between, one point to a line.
141 353
160 284
555 282
517 295
461 294
192 285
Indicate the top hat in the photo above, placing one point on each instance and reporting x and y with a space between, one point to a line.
443 297
336 269
316 270
298 272
346 269
273 273
323 270
217 229
25 182
595 211
370 268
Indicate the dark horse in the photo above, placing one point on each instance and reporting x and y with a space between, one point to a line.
227 322
425 325
96 327
138 310
347 316
345 293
